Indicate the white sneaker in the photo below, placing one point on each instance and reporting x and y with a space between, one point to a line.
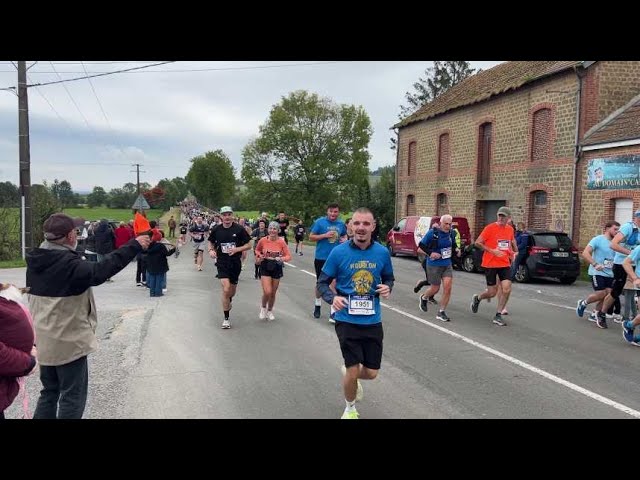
226 323
331 320
360 390
263 313
165 290
270 316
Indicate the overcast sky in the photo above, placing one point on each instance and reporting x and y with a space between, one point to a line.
161 117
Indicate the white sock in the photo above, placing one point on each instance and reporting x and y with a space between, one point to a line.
333 310
350 405
318 302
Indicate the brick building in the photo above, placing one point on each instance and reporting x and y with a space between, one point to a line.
508 136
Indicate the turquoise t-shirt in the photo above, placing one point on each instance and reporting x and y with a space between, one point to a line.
358 273
602 254
631 239
324 246
635 256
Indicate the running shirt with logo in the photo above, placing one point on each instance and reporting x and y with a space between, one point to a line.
272 250
326 245
224 239
602 254
498 237
183 230
635 256
198 232
445 248
358 273
631 239
284 224
299 231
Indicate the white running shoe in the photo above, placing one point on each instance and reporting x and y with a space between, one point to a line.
263 313
165 290
226 323
270 316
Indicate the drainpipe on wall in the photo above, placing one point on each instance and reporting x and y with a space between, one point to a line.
576 154
396 174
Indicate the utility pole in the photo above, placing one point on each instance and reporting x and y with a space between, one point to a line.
137 165
25 160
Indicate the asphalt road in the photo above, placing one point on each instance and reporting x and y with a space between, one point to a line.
168 357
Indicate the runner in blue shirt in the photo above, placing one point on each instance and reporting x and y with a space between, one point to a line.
363 273
599 255
629 325
328 232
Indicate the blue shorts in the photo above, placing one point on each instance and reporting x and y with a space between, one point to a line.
600 282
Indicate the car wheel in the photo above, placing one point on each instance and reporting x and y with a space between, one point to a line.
391 252
468 265
568 280
522 274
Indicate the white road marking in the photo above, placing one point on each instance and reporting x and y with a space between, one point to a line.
543 373
308 273
552 304
520 363
290 264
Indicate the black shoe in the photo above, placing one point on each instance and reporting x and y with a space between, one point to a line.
316 312
475 302
442 316
432 300
601 321
420 285
498 320
423 304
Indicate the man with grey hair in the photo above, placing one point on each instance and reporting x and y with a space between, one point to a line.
64 312
439 245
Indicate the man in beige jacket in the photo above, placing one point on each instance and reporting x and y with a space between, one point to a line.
64 312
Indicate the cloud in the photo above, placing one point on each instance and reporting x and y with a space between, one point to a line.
162 120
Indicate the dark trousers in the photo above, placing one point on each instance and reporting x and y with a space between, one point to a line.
154 282
64 390
141 270
172 231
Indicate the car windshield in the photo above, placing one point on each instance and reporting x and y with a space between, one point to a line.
552 241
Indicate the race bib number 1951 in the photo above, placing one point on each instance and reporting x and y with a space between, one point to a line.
361 305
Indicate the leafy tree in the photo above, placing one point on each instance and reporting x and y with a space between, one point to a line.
437 80
9 195
43 204
97 197
119 199
383 200
211 179
310 152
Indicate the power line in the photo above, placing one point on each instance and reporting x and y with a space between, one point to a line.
74 102
96 95
54 110
97 75
205 69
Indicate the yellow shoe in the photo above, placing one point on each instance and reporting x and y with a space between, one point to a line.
351 415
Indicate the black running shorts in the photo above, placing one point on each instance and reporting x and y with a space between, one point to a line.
502 273
271 268
360 344
229 270
318 264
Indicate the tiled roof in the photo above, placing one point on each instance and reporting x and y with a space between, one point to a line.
486 84
623 124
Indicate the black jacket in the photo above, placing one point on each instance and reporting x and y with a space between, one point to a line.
157 258
105 239
61 272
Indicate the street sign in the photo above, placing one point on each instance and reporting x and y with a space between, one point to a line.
141 203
